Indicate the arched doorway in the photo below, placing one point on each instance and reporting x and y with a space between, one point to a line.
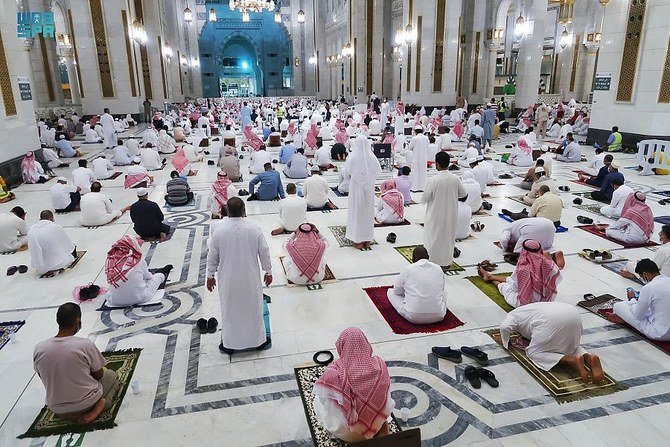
239 71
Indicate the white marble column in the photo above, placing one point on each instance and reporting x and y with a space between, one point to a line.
530 53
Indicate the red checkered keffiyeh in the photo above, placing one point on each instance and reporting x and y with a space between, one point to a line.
536 274
306 249
124 255
393 198
252 139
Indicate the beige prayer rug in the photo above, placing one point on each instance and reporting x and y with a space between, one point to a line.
406 253
47 424
306 377
340 233
328 277
563 384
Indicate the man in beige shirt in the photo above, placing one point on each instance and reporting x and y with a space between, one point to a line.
548 205
541 178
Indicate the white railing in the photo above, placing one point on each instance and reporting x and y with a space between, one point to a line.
651 154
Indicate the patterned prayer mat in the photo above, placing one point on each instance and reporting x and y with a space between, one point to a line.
491 291
7 328
592 208
80 254
579 182
400 325
663 220
518 199
601 233
47 424
406 253
602 305
329 276
340 232
306 377
324 208
404 222
617 266
588 196
113 176
563 384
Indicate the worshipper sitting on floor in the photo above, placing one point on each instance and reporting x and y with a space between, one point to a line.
464 214
96 208
64 198
166 144
548 205
91 136
305 263
530 177
535 278
521 154
137 177
605 168
292 211
131 282
473 190
322 158
148 218
418 293
338 152
661 257
31 170
83 177
72 370
270 187
286 153
102 168
648 313
390 207
614 141
51 159
636 223
151 159
606 188
13 230
50 247
541 179
352 399
236 246
65 148
258 160
230 164
5 194
181 163
296 167
539 229
403 183
571 152
192 153
178 190
315 190
469 156
122 155
597 162
554 330
222 190
619 196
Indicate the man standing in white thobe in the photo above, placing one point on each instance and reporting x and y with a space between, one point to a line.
50 247
419 147
363 168
108 128
441 198
236 247
554 330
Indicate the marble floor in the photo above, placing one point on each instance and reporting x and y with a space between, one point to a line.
191 393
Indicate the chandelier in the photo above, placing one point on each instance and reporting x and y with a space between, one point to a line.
252 5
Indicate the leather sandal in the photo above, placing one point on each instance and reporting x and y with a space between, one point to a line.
473 377
488 377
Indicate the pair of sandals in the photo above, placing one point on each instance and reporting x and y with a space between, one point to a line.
584 220
207 326
506 176
511 258
20 268
473 374
664 201
564 188
477 226
487 265
488 206
243 192
391 238
593 254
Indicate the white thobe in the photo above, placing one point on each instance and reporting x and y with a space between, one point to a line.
469 153
322 157
102 168
441 198
237 244
140 287
150 159
385 214
661 259
419 175
650 313
444 142
463 221
13 232
51 158
626 231
133 147
474 192
315 190
597 162
292 212
482 175
96 209
619 197
554 330
384 110
258 160
539 229
50 247
548 162
108 129
60 195
343 181
83 178
418 293
361 213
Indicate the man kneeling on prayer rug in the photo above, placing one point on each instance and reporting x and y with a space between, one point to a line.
50 247
305 263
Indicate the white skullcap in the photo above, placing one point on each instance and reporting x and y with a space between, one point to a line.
142 192
539 170
544 148
61 137
614 164
61 179
315 168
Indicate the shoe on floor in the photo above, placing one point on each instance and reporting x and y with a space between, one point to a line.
488 377
476 354
211 325
584 220
202 326
473 377
446 353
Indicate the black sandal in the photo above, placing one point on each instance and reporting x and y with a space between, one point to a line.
589 296
212 323
476 354
13 269
202 326
473 377
488 377
23 268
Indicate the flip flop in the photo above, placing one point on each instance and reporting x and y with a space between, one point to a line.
578 201
473 377
457 252
564 188
23 268
13 269
202 326
212 323
511 258
487 205
584 220
476 354
488 377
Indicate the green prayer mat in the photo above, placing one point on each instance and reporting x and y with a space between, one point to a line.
564 384
492 291
340 233
47 424
306 377
406 253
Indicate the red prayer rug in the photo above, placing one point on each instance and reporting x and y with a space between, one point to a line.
601 233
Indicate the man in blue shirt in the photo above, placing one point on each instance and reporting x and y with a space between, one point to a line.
66 149
602 173
270 185
297 165
286 153
607 189
571 153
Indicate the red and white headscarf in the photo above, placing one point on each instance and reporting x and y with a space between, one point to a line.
179 160
252 139
132 180
400 108
124 255
292 129
393 198
310 139
306 250
458 129
536 275
341 136
637 211
220 188
524 146
28 168
358 383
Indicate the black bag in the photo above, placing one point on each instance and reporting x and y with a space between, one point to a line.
89 292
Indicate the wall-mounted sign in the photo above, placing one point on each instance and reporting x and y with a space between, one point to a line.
603 81
24 88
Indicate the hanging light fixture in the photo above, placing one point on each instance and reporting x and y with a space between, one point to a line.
348 50
245 16
565 39
313 59
301 16
277 17
399 37
519 26
183 60
212 15
137 32
251 5
188 15
195 63
167 50
409 34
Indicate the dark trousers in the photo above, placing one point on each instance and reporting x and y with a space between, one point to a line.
75 198
601 196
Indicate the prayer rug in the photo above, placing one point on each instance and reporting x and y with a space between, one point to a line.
602 305
404 222
306 376
579 182
266 322
80 254
564 384
190 206
665 193
398 324
406 253
7 328
337 192
155 301
491 291
47 424
113 176
518 199
340 233
663 220
617 266
588 196
327 277
591 208
601 233
173 228
324 208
